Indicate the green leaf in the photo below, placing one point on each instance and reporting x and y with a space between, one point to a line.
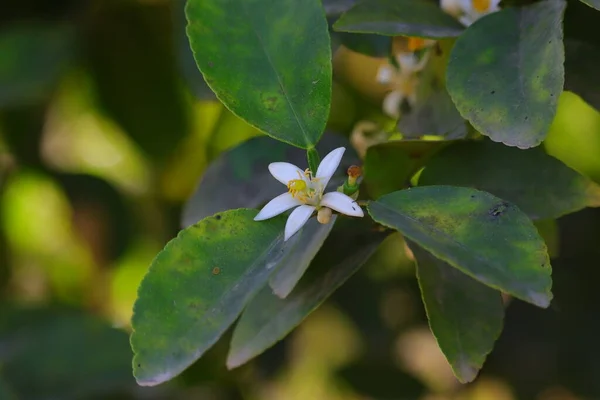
370 45
506 73
196 287
389 166
399 17
33 59
485 237
306 244
592 3
539 184
465 316
44 348
267 319
240 177
337 7
276 72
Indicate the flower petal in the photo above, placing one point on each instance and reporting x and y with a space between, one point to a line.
385 74
328 166
391 103
297 219
279 204
452 7
285 172
341 203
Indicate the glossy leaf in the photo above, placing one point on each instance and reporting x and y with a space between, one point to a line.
240 177
485 237
42 354
389 166
276 72
306 244
506 73
539 184
196 287
33 59
592 3
267 319
337 7
370 45
399 17
464 315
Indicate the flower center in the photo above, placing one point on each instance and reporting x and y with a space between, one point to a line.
308 192
481 5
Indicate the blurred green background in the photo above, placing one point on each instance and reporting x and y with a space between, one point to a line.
106 127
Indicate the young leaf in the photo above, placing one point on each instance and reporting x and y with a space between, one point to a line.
240 177
465 316
267 319
196 287
485 237
268 61
539 184
505 73
307 243
399 17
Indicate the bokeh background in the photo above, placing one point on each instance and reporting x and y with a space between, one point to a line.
106 127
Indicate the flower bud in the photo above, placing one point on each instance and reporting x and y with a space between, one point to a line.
324 215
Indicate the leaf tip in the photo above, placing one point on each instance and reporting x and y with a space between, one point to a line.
542 300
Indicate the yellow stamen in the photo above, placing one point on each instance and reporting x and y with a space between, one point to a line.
416 43
481 5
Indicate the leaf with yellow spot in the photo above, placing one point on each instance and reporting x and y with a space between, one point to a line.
505 73
483 236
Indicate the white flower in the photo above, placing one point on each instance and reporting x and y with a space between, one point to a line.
306 193
469 11
403 87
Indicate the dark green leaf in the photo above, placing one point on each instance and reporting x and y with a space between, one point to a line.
592 3
240 177
539 184
389 166
61 354
483 236
276 72
370 45
505 73
131 60
465 316
306 244
336 7
581 71
33 59
267 319
196 287
399 17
